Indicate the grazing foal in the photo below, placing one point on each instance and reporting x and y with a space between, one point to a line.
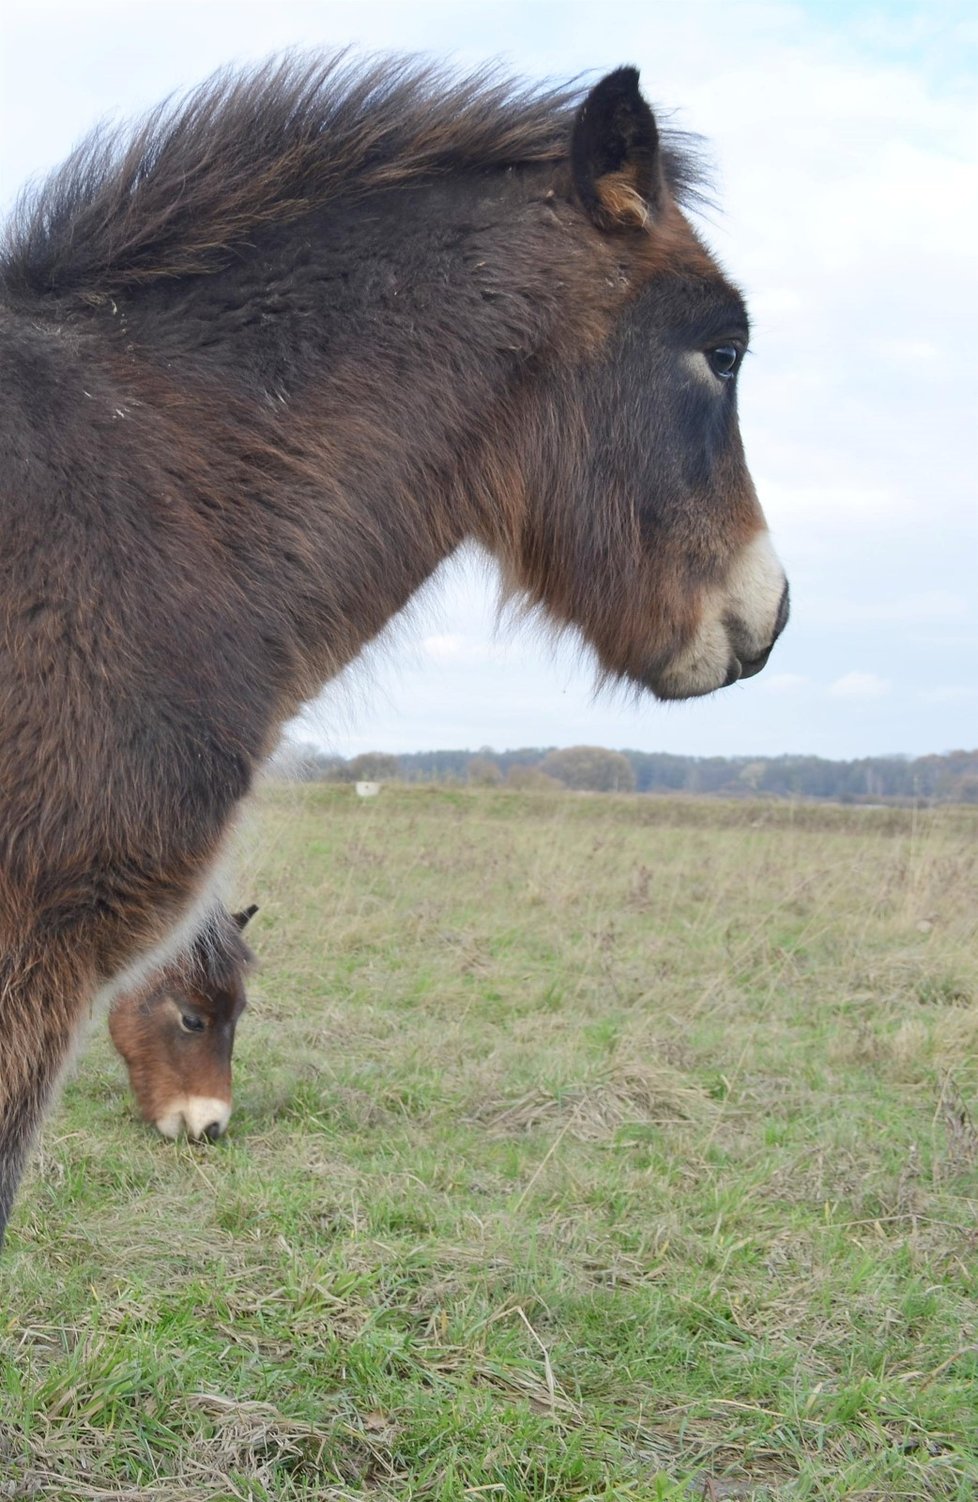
265 363
175 1031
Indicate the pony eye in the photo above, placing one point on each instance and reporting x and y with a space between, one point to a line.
724 360
190 1023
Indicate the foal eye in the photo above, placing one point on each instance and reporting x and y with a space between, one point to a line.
724 361
191 1024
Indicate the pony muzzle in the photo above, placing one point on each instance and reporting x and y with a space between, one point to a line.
738 626
202 1118
752 665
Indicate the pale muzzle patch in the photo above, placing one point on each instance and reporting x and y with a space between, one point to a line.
739 623
751 599
200 1116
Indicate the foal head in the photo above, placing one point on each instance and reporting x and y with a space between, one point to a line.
628 510
176 1031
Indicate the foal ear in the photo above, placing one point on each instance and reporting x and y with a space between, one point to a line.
242 919
615 153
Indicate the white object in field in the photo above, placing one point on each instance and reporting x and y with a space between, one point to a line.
367 789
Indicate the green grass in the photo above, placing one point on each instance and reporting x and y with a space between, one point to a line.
584 1147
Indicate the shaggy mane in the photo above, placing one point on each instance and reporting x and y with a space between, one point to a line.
174 195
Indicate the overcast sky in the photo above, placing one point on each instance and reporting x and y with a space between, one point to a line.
843 137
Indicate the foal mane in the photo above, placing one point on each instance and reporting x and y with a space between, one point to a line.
211 960
177 194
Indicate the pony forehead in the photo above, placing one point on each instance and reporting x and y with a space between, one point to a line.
712 307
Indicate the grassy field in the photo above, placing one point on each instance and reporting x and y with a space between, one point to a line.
584 1147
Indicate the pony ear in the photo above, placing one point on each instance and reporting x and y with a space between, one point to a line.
615 153
242 919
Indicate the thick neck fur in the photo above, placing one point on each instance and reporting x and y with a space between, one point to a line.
314 416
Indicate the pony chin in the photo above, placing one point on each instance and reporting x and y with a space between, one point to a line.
701 668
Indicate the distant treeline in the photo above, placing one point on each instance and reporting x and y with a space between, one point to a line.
951 778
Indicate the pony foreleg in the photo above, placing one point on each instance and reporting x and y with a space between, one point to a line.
43 1001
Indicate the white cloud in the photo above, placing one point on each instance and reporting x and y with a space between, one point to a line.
784 683
454 647
443 648
859 686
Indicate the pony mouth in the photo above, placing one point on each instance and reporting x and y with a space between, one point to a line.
707 674
747 669
725 648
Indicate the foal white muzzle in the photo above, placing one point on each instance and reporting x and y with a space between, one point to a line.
200 1116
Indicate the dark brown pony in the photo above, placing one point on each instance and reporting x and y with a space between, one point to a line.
175 1030
264 364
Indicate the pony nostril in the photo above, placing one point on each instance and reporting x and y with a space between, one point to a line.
206 1118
